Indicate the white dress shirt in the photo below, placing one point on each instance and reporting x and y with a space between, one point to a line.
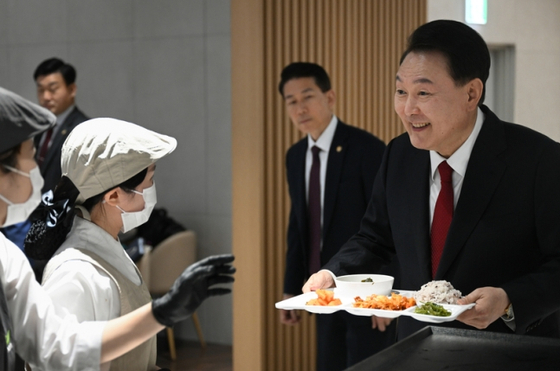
458 162
324 143
39 335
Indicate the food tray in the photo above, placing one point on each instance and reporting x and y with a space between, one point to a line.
440 348
298 303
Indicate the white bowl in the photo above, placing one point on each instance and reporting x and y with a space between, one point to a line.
352 285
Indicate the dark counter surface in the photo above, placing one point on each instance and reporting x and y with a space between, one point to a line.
438 348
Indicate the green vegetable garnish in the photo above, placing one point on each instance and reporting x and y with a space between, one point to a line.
432 309
367 280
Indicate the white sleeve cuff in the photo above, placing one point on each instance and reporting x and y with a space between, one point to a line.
88 345
329 272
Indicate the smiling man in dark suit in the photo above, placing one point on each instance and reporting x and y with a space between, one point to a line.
501 246
330 176
56 91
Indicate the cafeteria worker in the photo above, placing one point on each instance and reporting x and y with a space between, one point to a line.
107 186
28 320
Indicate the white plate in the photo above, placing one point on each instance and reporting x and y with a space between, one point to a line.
377 312
455 310
298 302
382 312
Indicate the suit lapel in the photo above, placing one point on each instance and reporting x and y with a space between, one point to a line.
415 203
335 162
482 177
60 137
300 201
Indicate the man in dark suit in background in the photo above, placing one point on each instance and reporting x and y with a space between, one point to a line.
56 91
330 176
501 245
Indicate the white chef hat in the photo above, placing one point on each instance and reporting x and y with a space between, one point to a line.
102 153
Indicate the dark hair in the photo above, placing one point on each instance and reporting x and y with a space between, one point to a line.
53 219
298 70
53 65
128 186
9 158
465 50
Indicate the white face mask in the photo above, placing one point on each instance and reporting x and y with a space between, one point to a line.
133 219
17 213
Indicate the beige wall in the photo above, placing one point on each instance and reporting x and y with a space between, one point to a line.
533 27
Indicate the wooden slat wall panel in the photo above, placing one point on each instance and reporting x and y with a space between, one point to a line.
359 43
248 185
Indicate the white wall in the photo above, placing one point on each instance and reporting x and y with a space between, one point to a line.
161 64
533 27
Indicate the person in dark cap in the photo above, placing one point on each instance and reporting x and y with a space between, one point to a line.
462 196
28 320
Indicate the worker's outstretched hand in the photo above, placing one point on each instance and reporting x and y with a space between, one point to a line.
192 287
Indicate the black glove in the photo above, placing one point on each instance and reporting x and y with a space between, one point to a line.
192 288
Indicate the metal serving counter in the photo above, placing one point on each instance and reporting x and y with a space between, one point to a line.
440 348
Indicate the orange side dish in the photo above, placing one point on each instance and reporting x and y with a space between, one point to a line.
324 298
394 302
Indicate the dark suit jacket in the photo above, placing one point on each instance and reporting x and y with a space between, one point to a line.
505 231
353 160
50 168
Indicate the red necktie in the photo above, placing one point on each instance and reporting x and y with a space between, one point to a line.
443 213
314 210
44 146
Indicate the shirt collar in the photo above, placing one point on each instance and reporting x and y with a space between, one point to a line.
325 139
460 158
89 236
60 118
